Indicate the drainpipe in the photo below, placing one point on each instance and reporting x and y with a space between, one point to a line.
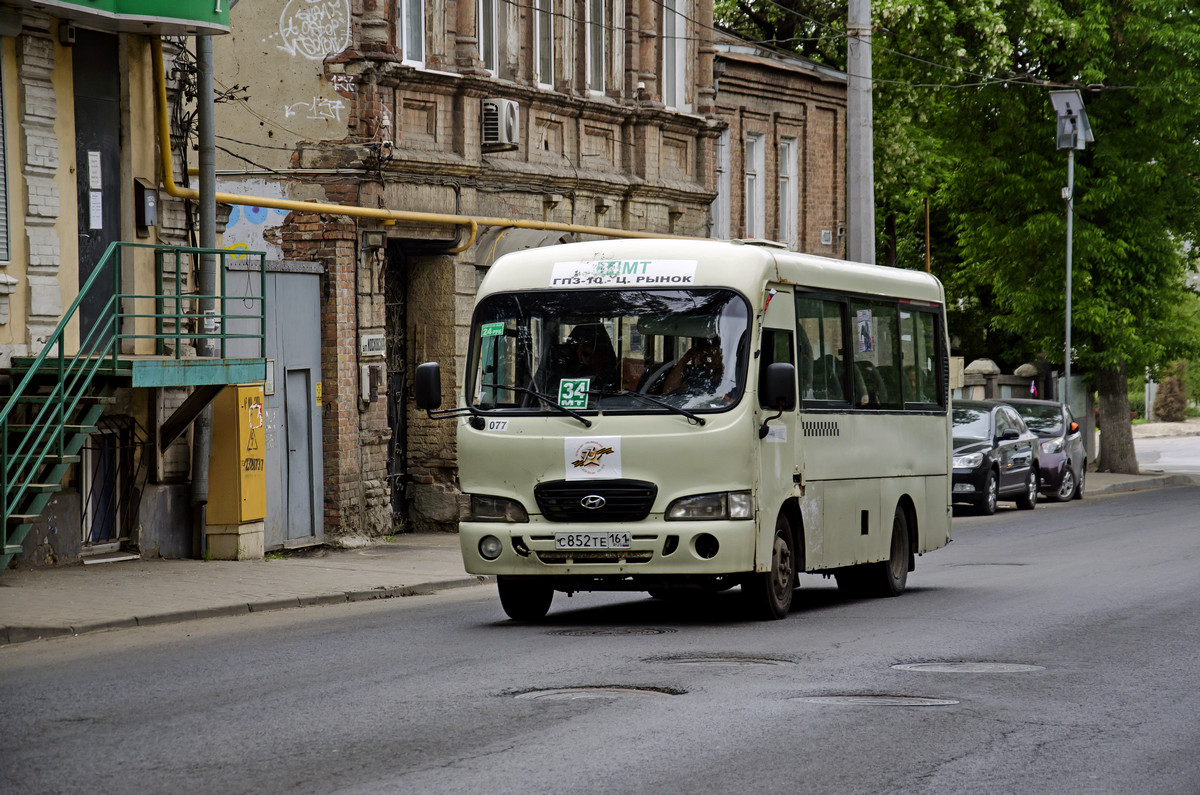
207 277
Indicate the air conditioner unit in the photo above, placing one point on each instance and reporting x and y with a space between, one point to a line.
501 124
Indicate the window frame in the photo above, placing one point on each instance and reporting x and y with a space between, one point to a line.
404 10
543 27
722 206
594 39
754 198
789 193
488 46
675 55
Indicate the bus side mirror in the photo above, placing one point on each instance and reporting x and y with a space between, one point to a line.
781 386
428 386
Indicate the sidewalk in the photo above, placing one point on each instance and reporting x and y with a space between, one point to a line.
72 600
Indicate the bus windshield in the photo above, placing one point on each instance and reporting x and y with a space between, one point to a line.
644 351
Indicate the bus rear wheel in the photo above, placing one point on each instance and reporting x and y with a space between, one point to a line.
885 578
769 594
524 600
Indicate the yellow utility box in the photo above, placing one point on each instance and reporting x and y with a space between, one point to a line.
237 478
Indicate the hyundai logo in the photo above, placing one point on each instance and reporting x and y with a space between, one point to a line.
593 502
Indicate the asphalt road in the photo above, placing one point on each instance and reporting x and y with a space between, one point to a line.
1094 603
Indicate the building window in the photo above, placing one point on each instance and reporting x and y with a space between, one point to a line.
721 204
595 44
789 194
485 28
543 42
675 49
410 19
755 198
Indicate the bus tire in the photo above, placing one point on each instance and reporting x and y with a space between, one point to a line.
769 594
885 578
524 600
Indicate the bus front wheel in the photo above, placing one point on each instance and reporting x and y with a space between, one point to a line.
524 600
769 594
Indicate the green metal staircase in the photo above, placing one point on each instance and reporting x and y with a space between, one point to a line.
54 401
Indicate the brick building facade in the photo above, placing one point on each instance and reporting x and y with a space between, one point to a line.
616 122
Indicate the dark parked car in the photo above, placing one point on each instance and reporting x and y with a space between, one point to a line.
995 456
1062 460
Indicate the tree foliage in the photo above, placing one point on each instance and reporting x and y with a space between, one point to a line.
963 118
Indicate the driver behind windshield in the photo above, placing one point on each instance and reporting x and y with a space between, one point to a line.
595 357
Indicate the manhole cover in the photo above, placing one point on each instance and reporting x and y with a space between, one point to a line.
580 633
718 659
969 667
878 701
608 691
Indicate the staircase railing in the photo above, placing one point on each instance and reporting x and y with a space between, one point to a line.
71 378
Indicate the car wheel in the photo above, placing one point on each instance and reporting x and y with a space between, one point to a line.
769 594
1028 500
991 495
1066 489
524 600
1079 485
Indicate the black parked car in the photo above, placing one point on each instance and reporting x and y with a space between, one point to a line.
995 456
1062 460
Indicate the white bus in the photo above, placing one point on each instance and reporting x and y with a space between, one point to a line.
672 416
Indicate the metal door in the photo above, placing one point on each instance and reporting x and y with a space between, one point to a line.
97 84
299 475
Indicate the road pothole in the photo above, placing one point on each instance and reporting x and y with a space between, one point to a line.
594 692
611 631
717 660
969 667
876 701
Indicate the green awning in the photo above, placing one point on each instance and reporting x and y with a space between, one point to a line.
156 17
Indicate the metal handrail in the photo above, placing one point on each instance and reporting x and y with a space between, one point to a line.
102 343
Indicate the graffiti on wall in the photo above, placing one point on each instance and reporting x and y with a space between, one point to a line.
316 108
251 228
314 29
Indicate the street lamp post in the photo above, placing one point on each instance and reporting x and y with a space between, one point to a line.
1074 132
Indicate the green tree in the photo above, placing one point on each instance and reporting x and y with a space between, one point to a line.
962 116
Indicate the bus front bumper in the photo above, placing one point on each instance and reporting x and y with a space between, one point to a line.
656 550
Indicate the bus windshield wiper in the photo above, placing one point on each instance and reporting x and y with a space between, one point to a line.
649 399
549 401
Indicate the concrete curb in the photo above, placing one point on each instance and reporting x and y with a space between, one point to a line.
1158 482
13 634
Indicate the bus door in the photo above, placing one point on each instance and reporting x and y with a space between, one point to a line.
779 450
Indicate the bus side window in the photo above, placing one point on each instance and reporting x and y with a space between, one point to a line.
821 325
776 347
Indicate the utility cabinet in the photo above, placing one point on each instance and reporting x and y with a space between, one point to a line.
237 484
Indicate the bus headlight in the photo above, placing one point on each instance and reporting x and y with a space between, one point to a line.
968 461
486 508
719 505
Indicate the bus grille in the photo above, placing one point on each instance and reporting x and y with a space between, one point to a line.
624 500
596 556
